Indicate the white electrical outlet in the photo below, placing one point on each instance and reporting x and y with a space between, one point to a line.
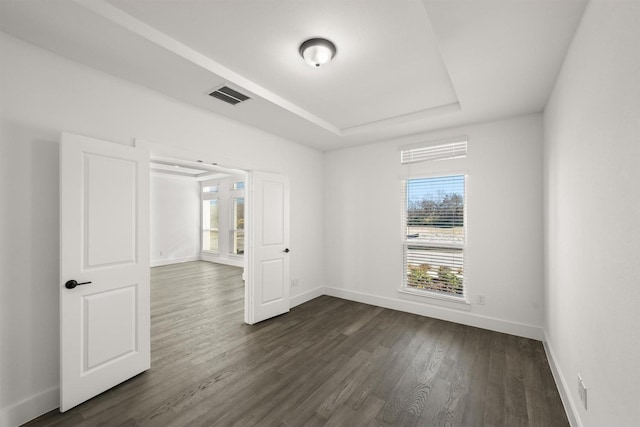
161 253
480 299
295 283
582 392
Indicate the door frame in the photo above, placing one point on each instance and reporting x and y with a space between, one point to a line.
182 155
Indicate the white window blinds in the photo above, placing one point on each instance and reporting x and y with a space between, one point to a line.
440 150
434 238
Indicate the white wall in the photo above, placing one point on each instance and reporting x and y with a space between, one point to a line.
43 95
363 255
28 271
175 219
592 213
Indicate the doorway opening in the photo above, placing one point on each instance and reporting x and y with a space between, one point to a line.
197 212
258 210
105 244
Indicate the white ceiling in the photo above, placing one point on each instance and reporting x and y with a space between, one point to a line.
198 170
402 67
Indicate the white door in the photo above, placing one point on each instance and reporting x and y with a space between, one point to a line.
104 247
267 290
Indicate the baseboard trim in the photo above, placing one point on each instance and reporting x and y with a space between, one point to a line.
306 296
442 313
30 408
234 261
561 384
160 262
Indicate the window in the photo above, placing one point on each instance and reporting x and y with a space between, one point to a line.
434 235
451 148
210 237
223 218
237 231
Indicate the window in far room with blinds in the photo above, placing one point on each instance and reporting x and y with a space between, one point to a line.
434 235
236 232
210 237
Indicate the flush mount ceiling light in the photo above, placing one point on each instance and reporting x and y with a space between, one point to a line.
317 51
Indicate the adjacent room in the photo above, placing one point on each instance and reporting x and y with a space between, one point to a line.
331 213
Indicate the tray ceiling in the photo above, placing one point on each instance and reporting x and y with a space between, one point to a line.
403 66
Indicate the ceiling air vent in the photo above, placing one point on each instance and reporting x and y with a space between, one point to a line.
229 95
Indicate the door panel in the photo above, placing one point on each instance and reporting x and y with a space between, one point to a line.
115 243
267 291
104 245
109 337
272 272
272 207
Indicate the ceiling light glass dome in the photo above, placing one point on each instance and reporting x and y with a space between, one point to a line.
317 51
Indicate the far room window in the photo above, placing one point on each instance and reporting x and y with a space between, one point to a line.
210 237
434 235
236 232
211 188
223 202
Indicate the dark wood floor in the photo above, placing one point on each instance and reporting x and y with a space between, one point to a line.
328 362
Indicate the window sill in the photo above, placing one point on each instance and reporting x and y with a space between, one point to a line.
447 300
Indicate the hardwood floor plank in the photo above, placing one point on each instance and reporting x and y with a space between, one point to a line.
346 416
393 361
301 413
328 362
292 393
478 379
408 398
434 412
364 319
343 391
395 369
494 414
515 402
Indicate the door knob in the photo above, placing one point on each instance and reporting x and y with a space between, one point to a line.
286 251
72 284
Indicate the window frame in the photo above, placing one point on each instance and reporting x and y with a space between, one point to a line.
225 194
427 293
234 194
434 151
207 196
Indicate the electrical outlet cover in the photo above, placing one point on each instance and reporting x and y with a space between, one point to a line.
582 391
